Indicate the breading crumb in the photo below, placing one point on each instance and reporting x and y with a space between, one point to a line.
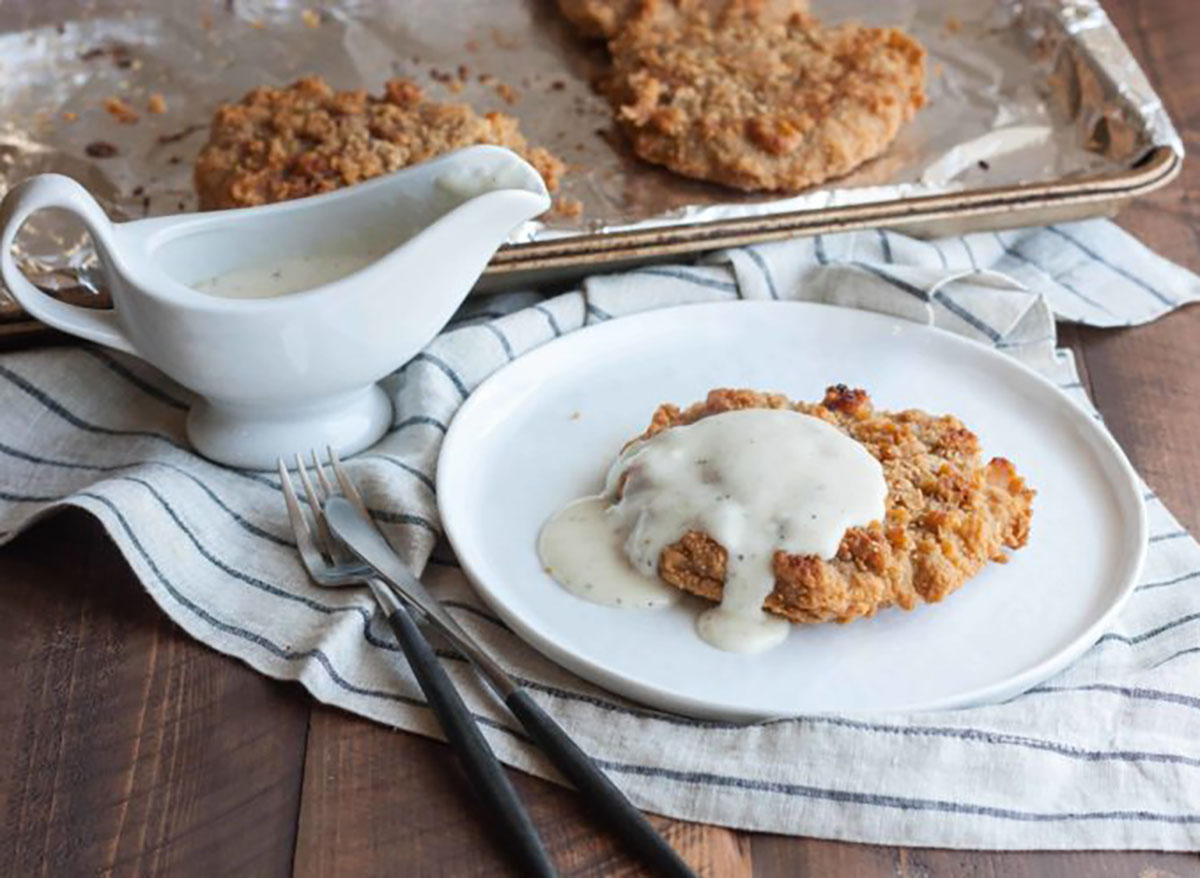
121 111
156 104
506 93
568 208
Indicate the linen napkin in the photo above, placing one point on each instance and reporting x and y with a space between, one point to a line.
1105 755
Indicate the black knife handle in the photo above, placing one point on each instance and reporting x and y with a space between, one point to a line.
598 791
484 771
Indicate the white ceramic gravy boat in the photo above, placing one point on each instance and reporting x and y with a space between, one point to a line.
290 372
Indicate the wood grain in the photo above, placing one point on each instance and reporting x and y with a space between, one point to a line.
125 746
375 798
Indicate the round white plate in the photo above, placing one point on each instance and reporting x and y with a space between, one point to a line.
543 430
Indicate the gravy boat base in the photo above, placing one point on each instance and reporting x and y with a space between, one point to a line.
255 437
381 267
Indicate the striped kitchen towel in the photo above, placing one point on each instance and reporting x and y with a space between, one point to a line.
1105 755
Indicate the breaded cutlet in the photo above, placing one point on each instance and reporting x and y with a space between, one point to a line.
760 103
276 144
947 514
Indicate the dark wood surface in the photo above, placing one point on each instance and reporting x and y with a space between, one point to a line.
126 748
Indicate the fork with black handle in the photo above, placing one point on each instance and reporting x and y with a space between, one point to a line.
330 566
349 519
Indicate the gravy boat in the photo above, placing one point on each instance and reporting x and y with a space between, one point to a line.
388 262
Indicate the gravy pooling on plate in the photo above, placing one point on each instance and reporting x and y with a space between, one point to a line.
758 481
584 548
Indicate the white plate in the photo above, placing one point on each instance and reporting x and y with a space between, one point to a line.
543 430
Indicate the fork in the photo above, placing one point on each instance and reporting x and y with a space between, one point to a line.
330 565
350 521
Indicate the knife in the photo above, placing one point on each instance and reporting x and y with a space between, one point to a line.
365 540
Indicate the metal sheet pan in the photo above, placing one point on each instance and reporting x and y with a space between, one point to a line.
1037 112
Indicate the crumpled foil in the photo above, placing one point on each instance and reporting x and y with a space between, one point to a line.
1019 91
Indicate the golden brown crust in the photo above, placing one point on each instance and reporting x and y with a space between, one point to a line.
282 143
774 103
947 514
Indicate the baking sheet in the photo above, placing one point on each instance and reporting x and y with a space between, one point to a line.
1019 92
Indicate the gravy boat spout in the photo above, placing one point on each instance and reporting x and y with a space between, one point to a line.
281 318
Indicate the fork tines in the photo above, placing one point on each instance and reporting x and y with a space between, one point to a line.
313 537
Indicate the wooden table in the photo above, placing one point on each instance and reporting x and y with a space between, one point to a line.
127 748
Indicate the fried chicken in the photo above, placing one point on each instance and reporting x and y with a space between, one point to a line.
772 103
947 514
282 143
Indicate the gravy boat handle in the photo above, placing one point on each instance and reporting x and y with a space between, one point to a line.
55 190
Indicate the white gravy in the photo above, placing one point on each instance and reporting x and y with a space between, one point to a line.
582 548
464 183
291 275
757 481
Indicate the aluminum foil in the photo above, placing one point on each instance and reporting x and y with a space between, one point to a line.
1019 92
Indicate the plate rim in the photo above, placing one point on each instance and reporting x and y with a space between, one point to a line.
655 697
